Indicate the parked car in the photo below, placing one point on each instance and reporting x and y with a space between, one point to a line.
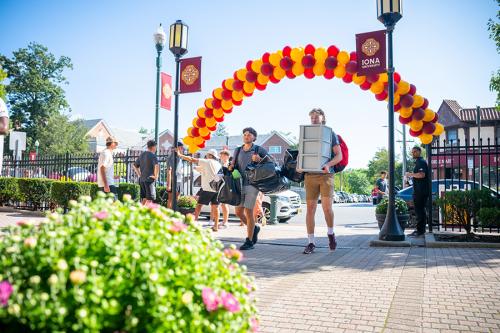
287 204
78 174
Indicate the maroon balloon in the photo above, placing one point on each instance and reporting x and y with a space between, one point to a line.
237 85
209 113
351 67
266 69
251 76
201 122
249 65
308 61
381 96
413 90
226 95
418 114
216 103
429 128
372 78
195 132
386 86
404 120
426 104
286 63
436 117
406 100
331 62
415 133
397 107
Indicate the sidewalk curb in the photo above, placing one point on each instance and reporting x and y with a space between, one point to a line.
380 243
431 242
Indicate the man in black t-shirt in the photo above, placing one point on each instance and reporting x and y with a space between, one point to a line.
147 168
420 177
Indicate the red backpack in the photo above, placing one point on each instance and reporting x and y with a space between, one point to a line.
345 156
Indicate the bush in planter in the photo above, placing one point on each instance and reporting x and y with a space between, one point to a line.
489 217
127 188
109 266
186 201
401 207
63 192
36 191
9 190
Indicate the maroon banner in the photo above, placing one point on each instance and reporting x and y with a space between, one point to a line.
190 77
166 92
370 52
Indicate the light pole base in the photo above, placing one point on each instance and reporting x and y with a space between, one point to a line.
391 230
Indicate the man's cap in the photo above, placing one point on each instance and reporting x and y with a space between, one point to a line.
111 139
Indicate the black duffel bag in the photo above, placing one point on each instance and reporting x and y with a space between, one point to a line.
289 169
228 189
266 177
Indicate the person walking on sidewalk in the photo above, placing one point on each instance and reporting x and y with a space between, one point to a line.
105 168
208 168
243 156
381 186
321 183
148 169
224 159
420 176
4 129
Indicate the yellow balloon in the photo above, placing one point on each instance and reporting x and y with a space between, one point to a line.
211 122
204 131
320 54
218 93
226 105
201 113
194 122
228 83
418 101
339 71
383 77
377 87
406 112
416 125
343 57
188 140
262 79
193 149
358 79
429 115
426 138
249 87
297 54
189 131
403 87
298 69
198 140
279 73
238 95
396 99
218 113
256 64
439 129
241 74
319 69
274 59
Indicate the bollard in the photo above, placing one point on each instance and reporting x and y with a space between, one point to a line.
273 219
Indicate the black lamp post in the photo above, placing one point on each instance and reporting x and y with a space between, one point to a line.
160 39
178 46
389 12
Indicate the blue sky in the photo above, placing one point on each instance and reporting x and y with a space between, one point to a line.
440 46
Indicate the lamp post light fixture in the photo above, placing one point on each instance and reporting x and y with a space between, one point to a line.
159 39
37 144
178 47
389 12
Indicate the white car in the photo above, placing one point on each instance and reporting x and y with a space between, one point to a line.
287 204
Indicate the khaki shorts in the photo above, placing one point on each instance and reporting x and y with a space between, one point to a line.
316 183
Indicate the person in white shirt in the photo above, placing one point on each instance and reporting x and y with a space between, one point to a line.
4 128
208 168
105 168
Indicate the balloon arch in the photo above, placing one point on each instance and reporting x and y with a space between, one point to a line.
311 62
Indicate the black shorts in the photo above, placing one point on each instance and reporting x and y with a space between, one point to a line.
206 198
148 190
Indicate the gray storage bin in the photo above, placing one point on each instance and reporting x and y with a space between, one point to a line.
314 147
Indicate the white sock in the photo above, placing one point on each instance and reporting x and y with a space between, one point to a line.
330 231
310 237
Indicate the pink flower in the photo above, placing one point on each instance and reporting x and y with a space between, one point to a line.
101 215
178 226
210 299
5 292
152 205
254 325
30 242
230 302
233 254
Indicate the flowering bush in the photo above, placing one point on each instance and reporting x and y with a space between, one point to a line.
400 204
109 266
186 201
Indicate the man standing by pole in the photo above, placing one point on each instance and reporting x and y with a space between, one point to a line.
420 176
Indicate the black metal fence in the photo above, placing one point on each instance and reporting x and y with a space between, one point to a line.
83 167
465 165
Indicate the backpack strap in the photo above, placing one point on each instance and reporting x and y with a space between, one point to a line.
235 162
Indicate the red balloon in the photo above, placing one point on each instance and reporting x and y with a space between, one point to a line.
309 49
351 67
404 120
249 65
426 103
386 86
406 100
365 85
213 128
381 96
329 74
308 73
286 51
247 94
237 103
235 75
237 85
200 122
413 90
216 103
251 76
226 95
397 107
331 62
436 117
266 69
195 132
265 57
219 120
260 86
372 78
415 133
347 78
202 145
286 63
290 75
206 138
353 56
418 114
397 77
308 61
228 111
429 128
209 113
273 79
333 51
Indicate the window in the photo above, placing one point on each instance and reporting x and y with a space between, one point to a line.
274 149
452 136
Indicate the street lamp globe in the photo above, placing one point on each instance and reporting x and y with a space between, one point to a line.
37 143
178 38
160 38
389 11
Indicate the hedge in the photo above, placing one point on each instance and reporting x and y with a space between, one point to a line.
36 191
9 190
63 192
126 188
